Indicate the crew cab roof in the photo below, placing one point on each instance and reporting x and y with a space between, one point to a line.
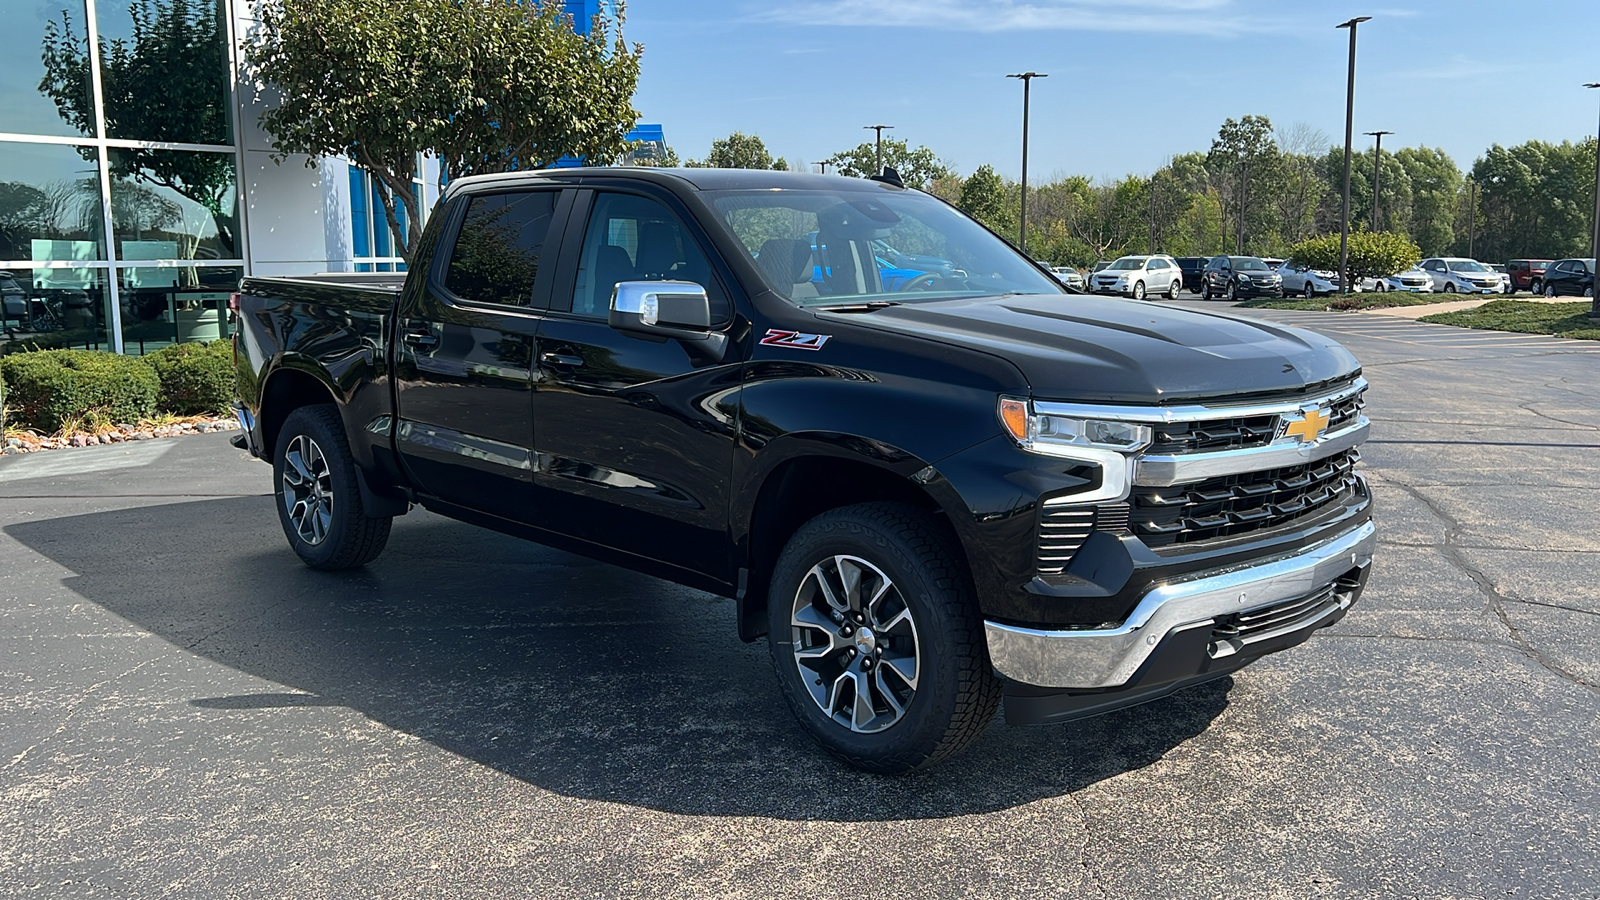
698 179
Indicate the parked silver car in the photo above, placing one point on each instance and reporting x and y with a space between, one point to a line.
1299 278
1412 280
1068 276
1454 275
1140 276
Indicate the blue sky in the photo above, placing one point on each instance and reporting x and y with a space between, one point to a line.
1131 83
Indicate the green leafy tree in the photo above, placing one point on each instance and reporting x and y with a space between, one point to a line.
166 82
1242 150
486 85
983 197
1435 184
1371 254
1534 200
739 151
918 167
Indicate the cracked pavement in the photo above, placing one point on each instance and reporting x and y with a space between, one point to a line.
190 712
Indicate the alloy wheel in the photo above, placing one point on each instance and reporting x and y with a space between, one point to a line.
308 489
1309 291
855 643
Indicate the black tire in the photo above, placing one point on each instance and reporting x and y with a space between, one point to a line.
1138 290
1233 293
1536 287
1549 290
1174 290
1205 290
333 531
1309 292
1449 287
956 691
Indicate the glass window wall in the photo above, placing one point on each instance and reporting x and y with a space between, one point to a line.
163 305
51 308
44 70
50 203
164 70
174 204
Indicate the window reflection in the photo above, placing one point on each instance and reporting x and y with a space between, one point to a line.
174 204
50 203
45 42
164 305
163 70
53 308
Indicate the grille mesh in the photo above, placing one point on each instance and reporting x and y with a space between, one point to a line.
1238 504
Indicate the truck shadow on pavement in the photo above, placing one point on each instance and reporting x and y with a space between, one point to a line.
578 677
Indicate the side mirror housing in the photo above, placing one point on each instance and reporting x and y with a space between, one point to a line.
665 308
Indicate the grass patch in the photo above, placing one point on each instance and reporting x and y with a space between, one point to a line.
1568 320
1345 302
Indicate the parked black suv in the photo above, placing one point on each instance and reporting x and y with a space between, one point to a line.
1238 278
925 497
1569 278
1194 268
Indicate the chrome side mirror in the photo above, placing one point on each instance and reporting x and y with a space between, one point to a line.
667 308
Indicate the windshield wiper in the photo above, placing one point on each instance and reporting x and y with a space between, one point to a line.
865 306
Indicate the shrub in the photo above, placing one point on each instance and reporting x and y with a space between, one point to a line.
196 379
1371 253
47 389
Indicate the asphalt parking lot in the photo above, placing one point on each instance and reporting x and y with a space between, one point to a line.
188 711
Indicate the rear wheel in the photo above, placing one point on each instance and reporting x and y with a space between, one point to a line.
1174 289
318 497
1549 290
877 641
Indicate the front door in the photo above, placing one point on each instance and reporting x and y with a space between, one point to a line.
465 350
635 435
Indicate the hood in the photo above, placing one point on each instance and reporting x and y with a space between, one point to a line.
1080 348
1255 272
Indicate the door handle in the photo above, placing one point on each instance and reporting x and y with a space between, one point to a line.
421 339
558 358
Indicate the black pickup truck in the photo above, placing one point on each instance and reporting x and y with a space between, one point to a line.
977 485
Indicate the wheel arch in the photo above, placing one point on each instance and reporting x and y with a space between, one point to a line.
806 483
288 388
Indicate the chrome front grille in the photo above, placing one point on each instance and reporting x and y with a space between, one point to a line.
1237 504
1215 434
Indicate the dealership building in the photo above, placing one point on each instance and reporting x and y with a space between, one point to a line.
136 187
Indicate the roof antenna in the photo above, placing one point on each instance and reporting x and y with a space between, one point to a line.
889 177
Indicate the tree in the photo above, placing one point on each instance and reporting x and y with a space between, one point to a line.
983 197
1372 254
917 168
739 151
486 85
1534 200
1435 183
1299 186
168 83
1242 148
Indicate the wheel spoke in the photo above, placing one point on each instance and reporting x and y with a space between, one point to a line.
887 693
295 471
828 593
861 711
850 577
904 668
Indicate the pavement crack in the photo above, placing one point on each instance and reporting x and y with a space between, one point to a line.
1492 596
1585 426
72 711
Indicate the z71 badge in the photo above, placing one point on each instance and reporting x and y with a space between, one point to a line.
796 340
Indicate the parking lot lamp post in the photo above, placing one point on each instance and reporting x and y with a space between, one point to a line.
1349 125
878 152
1377 163
1472 217
824 168
1594 245
1022 232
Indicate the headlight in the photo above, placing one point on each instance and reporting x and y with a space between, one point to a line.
1058 435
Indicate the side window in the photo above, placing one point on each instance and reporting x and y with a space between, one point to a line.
1156 264
497 252
633 238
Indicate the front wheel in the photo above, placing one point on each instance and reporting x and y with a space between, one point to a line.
1308 291
1449 287
1233 293
1138 290
318 497
1205 290
877 641
1535 286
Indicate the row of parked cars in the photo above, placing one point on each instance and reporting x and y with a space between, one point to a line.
1244 277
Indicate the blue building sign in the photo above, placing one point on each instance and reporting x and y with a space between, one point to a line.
653 142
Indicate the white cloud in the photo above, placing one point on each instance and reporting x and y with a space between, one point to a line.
1189 16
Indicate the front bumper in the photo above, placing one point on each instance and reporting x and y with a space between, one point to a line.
1196 609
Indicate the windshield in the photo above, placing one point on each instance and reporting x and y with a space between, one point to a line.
826 248
1127 262
1466 265
1247 262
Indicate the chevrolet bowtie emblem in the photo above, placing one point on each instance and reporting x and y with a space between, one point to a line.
1310 427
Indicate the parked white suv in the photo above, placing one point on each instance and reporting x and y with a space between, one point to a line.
1412 280
1139 277
1453 275
1301 279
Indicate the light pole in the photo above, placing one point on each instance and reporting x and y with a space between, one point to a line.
824 167
1027 81
1472 218
1377 163
1349 124
878 154
1594 246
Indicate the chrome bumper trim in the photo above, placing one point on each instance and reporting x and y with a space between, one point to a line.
1166 470
1106 658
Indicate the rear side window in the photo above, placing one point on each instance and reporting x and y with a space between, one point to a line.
497 253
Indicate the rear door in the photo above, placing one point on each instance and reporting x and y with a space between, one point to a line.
635 435
464 346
